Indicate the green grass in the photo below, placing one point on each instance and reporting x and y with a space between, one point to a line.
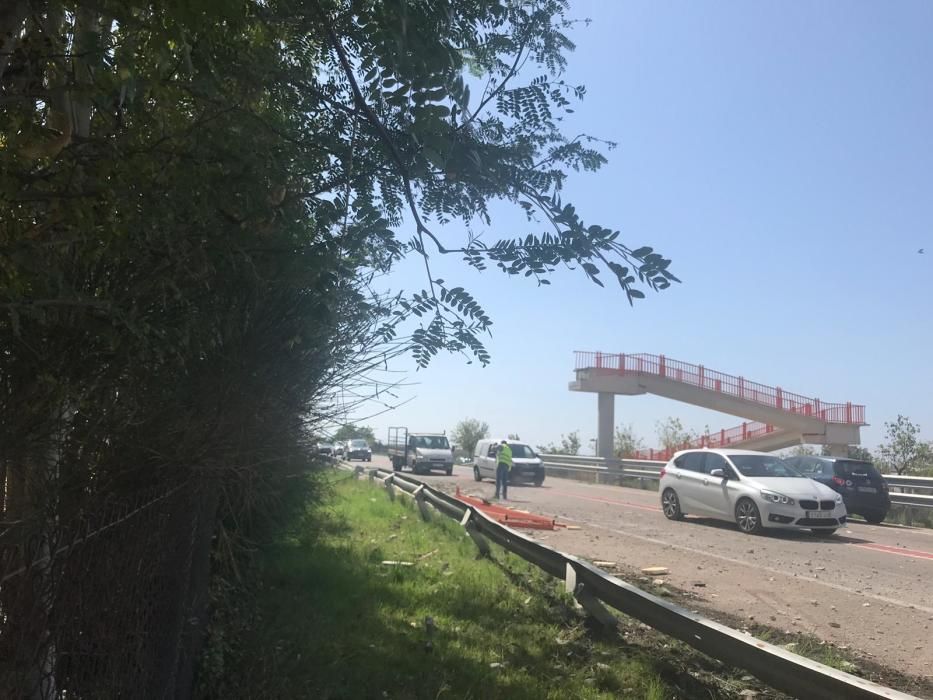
331 621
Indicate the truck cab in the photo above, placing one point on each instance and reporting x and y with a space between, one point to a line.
420 452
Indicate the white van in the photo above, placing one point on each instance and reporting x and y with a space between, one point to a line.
526 465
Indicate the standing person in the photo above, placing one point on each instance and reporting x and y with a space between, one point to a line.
504 459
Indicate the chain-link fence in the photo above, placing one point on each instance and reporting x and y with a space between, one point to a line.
108 603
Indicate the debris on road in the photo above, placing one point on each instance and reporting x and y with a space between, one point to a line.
604 564
509 516
655 570
390 562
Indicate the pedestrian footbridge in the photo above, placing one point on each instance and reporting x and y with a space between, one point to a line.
774 418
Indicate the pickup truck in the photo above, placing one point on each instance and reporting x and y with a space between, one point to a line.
421 452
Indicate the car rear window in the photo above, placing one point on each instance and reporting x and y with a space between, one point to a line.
692 461
851 467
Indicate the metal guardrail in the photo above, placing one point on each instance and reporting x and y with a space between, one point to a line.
779 668
902 489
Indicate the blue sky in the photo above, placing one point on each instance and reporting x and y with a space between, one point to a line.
782 155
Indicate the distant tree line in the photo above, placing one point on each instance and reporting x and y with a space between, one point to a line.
902 452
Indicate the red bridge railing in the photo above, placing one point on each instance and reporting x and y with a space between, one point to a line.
711 380
723 438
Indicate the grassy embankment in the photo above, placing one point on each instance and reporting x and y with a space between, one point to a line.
333 621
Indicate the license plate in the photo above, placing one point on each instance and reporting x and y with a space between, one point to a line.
867 489
819 514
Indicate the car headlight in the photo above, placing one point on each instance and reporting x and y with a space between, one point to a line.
777 498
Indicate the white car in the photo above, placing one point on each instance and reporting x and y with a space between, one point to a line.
755 490
526 465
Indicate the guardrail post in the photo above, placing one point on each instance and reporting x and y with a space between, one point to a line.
594 607
481 543
372 474
358 471
422 504
390 487
570 578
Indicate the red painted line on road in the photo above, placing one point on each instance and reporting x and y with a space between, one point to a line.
653 509
888 549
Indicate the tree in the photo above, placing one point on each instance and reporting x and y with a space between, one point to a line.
903 451
468 432
513 436
351 432
852 452
569 445
672 435
627 443
196 201
801 451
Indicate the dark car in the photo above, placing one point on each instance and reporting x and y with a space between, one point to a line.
864 491
359 449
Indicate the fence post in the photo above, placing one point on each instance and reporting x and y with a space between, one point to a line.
661 366
621 363
780 398
744 431
848 412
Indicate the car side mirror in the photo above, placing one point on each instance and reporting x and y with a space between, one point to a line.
719 473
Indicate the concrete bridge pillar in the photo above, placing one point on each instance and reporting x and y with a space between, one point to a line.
606 404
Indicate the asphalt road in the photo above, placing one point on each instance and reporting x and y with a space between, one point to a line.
867 588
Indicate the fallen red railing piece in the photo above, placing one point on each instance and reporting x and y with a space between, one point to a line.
509 516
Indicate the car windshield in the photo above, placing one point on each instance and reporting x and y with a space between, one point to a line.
431 442
357 443
522 451
763 465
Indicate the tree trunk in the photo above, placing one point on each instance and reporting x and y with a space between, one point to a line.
12 18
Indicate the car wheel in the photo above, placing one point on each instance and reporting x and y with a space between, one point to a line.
748 517
396 465
476 475
670 504
450 471
874 517
539 480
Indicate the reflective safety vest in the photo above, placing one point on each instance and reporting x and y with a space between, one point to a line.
505 455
